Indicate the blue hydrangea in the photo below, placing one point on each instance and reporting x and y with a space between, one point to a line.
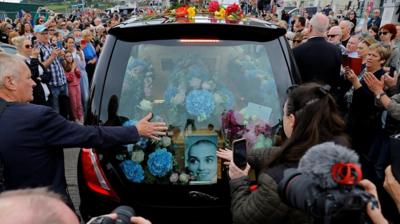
129 123
170 92
133 171
142 143
160 162
200 103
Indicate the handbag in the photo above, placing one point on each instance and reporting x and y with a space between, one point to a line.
394 144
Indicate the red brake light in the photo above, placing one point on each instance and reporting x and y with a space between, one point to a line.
94 175
199 41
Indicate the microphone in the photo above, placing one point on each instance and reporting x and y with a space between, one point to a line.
329 165
325 185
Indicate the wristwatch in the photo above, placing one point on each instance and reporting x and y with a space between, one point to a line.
378 97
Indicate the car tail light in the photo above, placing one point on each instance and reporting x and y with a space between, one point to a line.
94 175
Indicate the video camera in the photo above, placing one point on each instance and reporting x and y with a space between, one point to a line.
123 212
325 186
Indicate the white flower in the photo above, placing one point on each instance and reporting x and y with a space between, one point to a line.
184 178
218 98
145 105
179 98
165 141
137 156
209 85
195 83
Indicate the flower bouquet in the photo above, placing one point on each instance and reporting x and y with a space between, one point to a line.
233 14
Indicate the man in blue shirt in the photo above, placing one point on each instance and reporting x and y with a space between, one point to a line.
33 136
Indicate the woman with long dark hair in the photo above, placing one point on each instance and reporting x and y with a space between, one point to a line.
310 117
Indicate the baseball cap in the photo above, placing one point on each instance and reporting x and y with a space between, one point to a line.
39 28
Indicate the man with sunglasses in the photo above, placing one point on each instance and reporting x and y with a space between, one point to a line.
334 37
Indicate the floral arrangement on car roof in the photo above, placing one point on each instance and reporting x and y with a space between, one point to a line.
231 14
150 161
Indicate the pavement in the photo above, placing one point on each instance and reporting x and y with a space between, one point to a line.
71 163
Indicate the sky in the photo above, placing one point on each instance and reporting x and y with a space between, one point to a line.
17 1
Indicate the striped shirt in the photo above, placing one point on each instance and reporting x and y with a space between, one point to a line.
56 68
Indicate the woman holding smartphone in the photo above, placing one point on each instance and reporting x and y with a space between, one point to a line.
310 117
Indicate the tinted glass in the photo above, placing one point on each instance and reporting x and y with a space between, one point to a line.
209 93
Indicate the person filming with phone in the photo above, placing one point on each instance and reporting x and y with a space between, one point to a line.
310 117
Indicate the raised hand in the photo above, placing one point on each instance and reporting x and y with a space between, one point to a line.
391 81
225 154
151 129
235 172
375 85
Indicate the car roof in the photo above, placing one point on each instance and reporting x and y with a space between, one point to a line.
163 27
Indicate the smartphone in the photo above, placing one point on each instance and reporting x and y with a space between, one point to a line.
59 44
33 41
240 153
395 156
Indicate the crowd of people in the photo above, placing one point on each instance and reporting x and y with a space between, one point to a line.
360 110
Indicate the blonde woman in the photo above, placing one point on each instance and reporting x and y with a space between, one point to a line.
25 51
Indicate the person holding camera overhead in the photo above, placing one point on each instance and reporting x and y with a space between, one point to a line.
310 117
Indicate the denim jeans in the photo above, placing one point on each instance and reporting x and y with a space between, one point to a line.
57 91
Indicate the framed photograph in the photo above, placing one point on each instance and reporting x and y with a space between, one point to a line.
201 158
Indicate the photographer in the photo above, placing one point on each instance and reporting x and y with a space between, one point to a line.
310 117
40 206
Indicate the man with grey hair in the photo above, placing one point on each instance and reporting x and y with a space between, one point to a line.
33 136
317 59
334 36
346 27
40 206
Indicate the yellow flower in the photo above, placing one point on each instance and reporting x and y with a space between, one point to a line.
220 14
191 12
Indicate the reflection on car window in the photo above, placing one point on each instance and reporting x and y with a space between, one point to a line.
222 91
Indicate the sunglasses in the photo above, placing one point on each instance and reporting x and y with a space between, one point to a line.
332 35
297 41
28 46
383 33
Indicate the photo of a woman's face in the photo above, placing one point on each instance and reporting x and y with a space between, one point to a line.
202 161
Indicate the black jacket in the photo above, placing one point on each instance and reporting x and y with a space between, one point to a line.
319 61
38 92
32 140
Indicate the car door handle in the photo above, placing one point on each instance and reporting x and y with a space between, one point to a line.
201 195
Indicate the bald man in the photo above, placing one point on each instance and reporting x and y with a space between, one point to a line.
40 206
33 136
317 59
